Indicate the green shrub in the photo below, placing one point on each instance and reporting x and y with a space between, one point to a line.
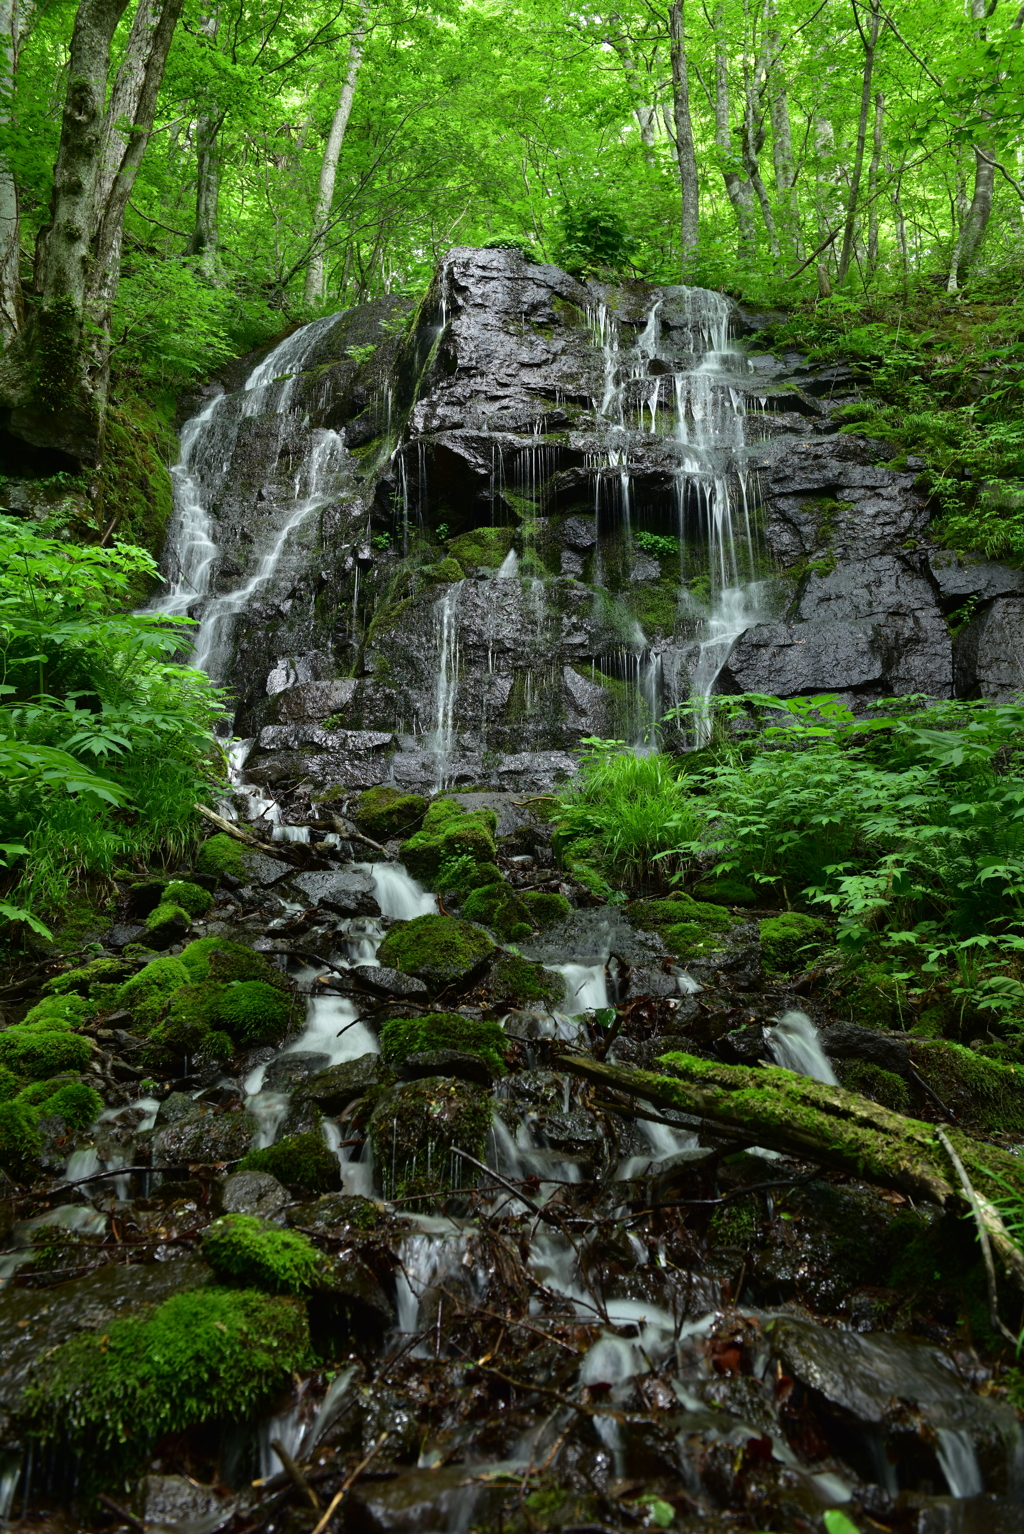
261 1254
415 1125
441 950
635 810
221 856
546 909
191 897
254 1012
37 1054
515 979
145 994
57 1012
83 980
385 813
405 1036
201 1356
791 941
498 907
302 1161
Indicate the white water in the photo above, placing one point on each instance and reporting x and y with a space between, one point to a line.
446 683
795 1045
959 1461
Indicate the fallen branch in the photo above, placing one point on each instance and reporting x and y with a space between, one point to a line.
346 829
357 1472
284 852
295 1475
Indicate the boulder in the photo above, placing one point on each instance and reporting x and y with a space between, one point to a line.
254 1193
333 1089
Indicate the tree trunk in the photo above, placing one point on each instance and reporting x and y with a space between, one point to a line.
752 143
686 154
643 111
782 140
876 160
11 310
124 98
870 44
737 187
44 378
205 233
973 227
329 169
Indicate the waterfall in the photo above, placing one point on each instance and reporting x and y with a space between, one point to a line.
446 683
795 1045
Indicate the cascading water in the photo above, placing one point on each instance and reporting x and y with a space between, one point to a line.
795 1045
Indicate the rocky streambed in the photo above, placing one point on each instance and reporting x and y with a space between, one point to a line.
391 1210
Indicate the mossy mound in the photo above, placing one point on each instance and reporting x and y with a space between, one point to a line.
10 1084
254 1012
546 909
20 1140
58 1012
81 981
449 832
215 958
146 994
689 928
727 892
405 1036
299 1161
791 941
207 1354
439 950
498 906
515 979
384 813
37 1054
221 857
483 548
875 999
167 924
442 573
457 876
20 1115
191 897
982 1093
880 1085
415 1126
261 1254
191 1017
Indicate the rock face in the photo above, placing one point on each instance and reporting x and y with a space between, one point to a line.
543 510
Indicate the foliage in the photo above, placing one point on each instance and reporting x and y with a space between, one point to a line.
257 1252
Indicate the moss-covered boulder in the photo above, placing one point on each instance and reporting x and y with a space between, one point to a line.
439 950
405 1036
20 1140
86 977
385 813
415 1126
261 1254
874 998
59 1012
690 929
515 979
483 548
299 1161
727 891
874 1081
983 1094
791 941
191 1016
221 857
498 907
449 832
205 1355
545 908
191 897
442 573
215 958
37 1054
72 1101
166 925
333 1089
146 994
254 1012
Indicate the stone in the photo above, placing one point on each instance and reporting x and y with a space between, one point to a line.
333 1089
959 577
439 950
205 1139
419 1500
254 1193
310 702
382 980
351 893
166 1501
286 1072
989 653
447 1062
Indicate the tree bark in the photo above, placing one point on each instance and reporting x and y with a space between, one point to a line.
870 45
737 187
44 378
124 98
686 154
876 160
782 137
11 307
753 140
315 271
205 239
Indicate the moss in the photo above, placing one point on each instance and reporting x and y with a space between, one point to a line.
191 897
457 876
37 1054
221 857
384 813
192 1014
77 1104
10 1084
254 1012
728 892
654 915
734 1225
302 1161
59 1012
655 606
449 832
261 1254
145 994
203 1355
166 924
405 1036
484 547
440 950
874 998
443 573
498 906
546 909
791 941
515 979
133 480
336 1209
214 958
415 1126
19 1138
984 1094
872 1081
83 979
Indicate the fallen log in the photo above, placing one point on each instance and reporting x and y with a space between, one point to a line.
284 852
800 1117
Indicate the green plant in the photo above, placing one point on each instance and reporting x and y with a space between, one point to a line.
657 543
245 1247
381 541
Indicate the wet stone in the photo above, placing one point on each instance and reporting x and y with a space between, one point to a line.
447 1062
205 1139
286 1072
166 1500
333 1089
351 893
382 980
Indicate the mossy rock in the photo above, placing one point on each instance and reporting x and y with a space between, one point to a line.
449 832
439 950
215 958
206 1355
874 998
727 891
384 813
299 1161
261 1254
339 1209
20 1140
146 994
415 1126
81 981
483 548
221 857
443 573
58 1012
73 1101
655 915
982 1093
37 1054
405 1036
254 1012
791 941
457 876
873 1081
498 907
191 897
10 1084
546 908
167 924
191 1017
515 979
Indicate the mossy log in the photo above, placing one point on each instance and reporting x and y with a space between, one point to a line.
799 1117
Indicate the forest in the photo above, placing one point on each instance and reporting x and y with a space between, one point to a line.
511 766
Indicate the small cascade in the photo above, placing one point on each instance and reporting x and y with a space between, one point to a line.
398 894
446 684
795 1045
958 1459
509 567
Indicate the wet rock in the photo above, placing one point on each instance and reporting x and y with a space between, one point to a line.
123 933
743 1046
351 1280
333 1089
176 1107
846 1041
988 659
447 1062
420 1501
254 1193
382 980
310 702
439 950
351 893
286 1072
205 1139
167 1500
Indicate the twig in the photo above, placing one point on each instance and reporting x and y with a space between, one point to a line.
986 1247
114 1171
357 1472
536 1209
346 829
122 1513
295 1474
